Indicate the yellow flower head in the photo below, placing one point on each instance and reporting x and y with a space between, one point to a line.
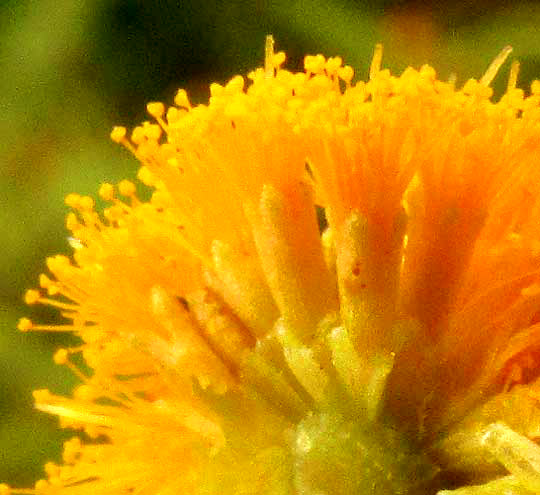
334 289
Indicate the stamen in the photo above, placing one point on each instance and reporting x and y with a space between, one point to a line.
127 188
26 325
494 67
106 191
118 135
61 357
181 100
157 110
512 79
269 57
376 61
32 296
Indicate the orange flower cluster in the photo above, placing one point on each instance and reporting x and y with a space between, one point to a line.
334 289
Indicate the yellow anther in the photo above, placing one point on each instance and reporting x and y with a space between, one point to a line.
126 188
118 134
112 213
53 289
57 263
72 449
152 132
494 67
470 86
278 59
314 63
320 63
52 469
32 296
309 62
160 199
44 281
235 85
85 393
87 203
4 489
216 90
137 135
173 115
52 263
107 214
181 99
61 356
24 324
156 109
106 191
485 92
145 176
41 395
41 487
376 61
333 64
72 222
428 72
48 284
73 200
346 73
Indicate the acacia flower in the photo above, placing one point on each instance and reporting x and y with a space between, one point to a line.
334 289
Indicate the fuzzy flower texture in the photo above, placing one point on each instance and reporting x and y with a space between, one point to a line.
333 290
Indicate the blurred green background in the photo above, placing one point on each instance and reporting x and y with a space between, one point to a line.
71 69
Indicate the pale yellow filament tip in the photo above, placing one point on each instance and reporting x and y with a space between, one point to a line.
514 72
269 56
494 67
376 61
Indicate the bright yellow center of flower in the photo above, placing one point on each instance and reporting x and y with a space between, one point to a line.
334 289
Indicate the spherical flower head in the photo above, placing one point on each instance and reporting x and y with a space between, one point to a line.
334 289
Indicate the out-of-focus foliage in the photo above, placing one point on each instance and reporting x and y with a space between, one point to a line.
70 69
